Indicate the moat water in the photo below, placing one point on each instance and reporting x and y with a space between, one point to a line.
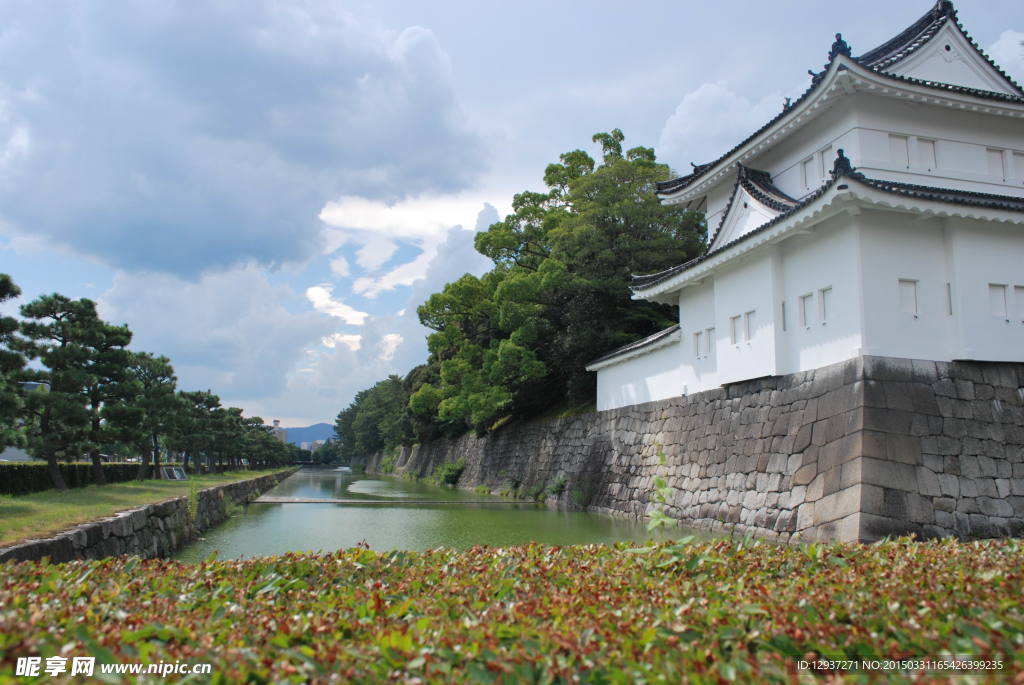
459 519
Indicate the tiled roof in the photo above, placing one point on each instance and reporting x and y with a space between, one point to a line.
890 52
843 169
637 345
910 39
951 195
918 34
759 185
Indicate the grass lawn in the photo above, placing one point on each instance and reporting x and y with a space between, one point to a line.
41 514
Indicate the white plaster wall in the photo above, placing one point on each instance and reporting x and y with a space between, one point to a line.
739 289
897 247
718 198
963 142
697 314
826 258
648 377
801 163
984 254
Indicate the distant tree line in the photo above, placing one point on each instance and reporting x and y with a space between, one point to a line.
70 388
513 343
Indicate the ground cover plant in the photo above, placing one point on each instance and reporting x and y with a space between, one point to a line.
697 612
39 514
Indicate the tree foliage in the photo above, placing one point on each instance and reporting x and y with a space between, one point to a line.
87 393
515 341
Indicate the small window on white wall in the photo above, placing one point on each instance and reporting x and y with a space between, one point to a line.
825 304
783 318
995 163
698 346
748 325
809 169
709 340
1018 166
806 303
825 157
734 329
908 296
997 299
1018 302
899 151
926 153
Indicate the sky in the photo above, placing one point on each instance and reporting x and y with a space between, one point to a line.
265 190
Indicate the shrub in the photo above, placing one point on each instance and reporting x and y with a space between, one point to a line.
449 473
21 478
388 461
703 612
558 487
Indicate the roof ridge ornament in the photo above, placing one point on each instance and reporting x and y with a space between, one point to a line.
839 47
842 166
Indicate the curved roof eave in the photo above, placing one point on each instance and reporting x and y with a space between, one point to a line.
808 104
654 285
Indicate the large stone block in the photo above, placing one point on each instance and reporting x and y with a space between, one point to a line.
889 474
928 482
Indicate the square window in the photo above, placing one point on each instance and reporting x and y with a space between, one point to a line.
806 303
926 153
899 151
908 296
748 325
824 303
997 299
995 163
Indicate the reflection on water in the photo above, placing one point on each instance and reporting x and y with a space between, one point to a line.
264 529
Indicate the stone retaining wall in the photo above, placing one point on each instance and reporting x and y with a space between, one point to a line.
853 451
155 530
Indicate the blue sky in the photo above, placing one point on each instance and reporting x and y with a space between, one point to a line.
264 190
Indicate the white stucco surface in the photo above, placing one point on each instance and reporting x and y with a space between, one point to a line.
855 271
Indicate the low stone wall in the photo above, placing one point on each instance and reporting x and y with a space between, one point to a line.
155 530
853 451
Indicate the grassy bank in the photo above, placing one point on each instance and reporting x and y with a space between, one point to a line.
705 612
43 513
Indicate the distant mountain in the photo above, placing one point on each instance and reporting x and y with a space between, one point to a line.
318 431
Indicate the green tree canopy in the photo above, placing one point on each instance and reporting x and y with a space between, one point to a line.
12 364
517 339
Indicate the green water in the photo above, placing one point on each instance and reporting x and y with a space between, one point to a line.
265 529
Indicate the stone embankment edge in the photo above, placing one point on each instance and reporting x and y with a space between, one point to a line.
150 531
855 451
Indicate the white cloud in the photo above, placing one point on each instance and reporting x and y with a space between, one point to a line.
203 133
404 274
411 218
423 221
339 266
1008 53
711 120
233 332
351 340
376 251
320 297
388 344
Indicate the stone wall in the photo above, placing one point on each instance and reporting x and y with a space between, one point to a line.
853 451
155 530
